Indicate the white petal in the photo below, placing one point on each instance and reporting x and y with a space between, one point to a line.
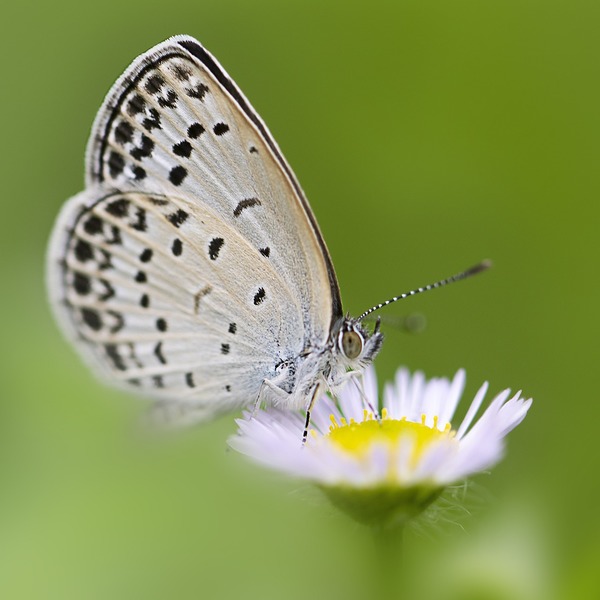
403 454
434 459
404 388
451 401
479 396
320 417
391 401
370 382
351 401
414 408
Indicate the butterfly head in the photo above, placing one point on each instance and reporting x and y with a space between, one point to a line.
355 344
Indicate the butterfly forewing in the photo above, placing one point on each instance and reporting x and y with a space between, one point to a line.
170 125
191 265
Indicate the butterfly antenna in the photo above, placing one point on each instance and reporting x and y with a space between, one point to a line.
484 265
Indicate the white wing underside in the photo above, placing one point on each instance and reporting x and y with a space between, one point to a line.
191 266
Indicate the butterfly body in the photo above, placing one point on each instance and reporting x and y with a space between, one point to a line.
192 268
327 366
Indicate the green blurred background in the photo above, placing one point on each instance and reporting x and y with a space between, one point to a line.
428 135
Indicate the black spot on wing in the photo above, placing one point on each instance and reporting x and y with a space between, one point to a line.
198 91
118 208
140 223
93 225
221 128
91 318
82 284
158 201
83 251
232 328
189 380
154 84
118 321
144 150
136 105
182 73
139 173
225 348
195 130
161 324
265 251
123 133
106 262
177 175
145 301
245 203
177 247
215 247
116 164
183 149
169 100
159 353
153 121
260 296
178 217
146 255
115 237
112 353
109 291
140 277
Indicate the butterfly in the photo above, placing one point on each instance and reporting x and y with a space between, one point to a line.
191 268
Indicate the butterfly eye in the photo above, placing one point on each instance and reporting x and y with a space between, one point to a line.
352 344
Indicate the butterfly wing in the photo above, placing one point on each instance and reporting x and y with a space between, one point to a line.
192 263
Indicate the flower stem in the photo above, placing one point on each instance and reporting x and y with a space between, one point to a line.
388 549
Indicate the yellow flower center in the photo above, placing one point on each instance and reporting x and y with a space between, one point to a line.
358 438
389 501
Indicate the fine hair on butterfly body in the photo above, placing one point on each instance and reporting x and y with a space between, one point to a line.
191 268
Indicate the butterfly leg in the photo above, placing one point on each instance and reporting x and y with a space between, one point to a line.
308 409
277 393
359 381
357 377
256 406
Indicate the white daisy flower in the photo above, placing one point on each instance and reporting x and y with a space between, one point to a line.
389 468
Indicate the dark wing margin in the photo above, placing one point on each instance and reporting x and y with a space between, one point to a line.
190 46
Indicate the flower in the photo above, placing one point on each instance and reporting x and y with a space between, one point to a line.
384 469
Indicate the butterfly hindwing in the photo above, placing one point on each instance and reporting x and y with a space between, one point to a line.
172 306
